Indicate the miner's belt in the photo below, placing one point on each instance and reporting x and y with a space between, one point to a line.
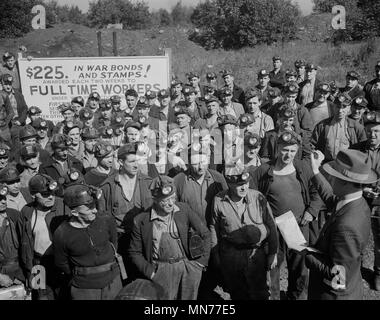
97 269
171 260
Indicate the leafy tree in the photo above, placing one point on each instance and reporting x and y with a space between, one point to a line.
323 6
165 18
15 17
235 24
180 14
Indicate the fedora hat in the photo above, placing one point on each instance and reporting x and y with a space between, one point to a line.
352 166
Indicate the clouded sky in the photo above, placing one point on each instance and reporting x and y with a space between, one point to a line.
305 5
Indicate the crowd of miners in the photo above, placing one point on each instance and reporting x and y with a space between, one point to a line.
174 194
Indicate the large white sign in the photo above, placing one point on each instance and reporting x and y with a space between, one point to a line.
49 82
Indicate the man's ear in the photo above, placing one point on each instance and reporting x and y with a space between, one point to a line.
74 213
120 162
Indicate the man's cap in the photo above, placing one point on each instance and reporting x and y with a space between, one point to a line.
286 111
371 117
291 73
343 100
181 110
252 140
151 94
118 121
353 74
42 183
210 88
102 149
263 73
353 166
60 141
324 87
192 74
67 106
275 58
163 93
80 194
85 114
27 132
90 133
300 63
187 90
225 91
211 98
311 66
73 176
39 124
94 96
239 178
246 119
251 93
162 187
274 92
79 100
4 150
115 99
175 81
226 72
34 110
106 132
360 102
28 152
3 190
69 125
9 175
211 75
128 148
7 55
227 119
131 92
7 78
289 137
132 124
291 87
142 103
105 104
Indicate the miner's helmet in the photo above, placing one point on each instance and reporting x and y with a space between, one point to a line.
42 183
81 194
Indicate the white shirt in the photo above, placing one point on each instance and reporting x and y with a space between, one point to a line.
17 202
352 197
40 230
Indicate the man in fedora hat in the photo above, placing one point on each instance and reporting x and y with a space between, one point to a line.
335 271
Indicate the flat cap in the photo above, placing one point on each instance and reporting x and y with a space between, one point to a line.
226 72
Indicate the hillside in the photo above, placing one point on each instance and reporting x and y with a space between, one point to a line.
76 40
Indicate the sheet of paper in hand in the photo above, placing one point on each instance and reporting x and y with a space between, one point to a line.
291 232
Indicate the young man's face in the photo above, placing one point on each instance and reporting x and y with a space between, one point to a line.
263 81
290 98
107 162
7 86
32 163
277 64
183 120
322 96
42 133
29 141
10 62
373 133
106 114
239 190
131 101
357 112
253 105
190 98
286 123
143 112
194 81
164 102
351 82
46 200
310 74
287 153
177 89
60 154
89 145
199 164
129 165
291 78
34 116
133 134
228 80
68 115
74 134
14 187
85 213
226 99
213 107
300 70
93 104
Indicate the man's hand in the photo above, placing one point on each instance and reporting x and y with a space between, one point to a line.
369 193
5 280
306 218
17 123
271 261
316 159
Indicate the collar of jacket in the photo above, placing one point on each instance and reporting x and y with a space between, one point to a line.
28 214
296 164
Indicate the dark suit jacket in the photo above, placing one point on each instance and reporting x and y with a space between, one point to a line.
342 242
141 247
372 105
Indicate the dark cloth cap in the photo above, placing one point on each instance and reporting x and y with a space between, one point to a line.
175 82
71 125
290 73
289 137
7 78
181 110
27 152
252 140
9 175
251 93
131 92
79 100
211 75
80 194
311 66
353 74
142 103
150 94
106 132
275 58
94 96
86 114
27 132
343 99
102 149
300 63
128 148
39 123
67 106
42 183
192 74
274 92
187 90
73 176
162 187
105 104
238 178
163 93
34 110
291 87
115 99
211 98
60 141
132 124
324 87
225 91
90 133
286 111
360 102
4 150
263 73
226 72
8 55
246 119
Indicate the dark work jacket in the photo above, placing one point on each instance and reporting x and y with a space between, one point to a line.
353 92
277 80
58 213
238 95
107 202
22 108
262 178
342 242
54 170
141 247
355 131
372 105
